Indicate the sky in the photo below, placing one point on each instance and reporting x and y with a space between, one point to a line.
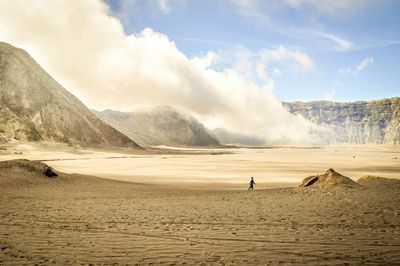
353 45
229 63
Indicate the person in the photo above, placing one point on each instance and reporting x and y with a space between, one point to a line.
252 183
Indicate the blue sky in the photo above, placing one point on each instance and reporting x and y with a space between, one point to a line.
354 46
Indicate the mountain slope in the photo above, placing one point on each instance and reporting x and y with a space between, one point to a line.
162 125
33 107
227 137
370 122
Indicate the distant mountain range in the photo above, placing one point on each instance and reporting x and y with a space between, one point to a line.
162 125
34 107
361 122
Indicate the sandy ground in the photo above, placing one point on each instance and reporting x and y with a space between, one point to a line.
230 168
75 219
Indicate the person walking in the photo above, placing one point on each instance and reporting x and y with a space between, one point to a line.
252 183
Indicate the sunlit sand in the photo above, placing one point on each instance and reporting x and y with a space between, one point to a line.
186 208
280 165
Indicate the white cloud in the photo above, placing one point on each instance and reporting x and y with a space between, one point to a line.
247 4
164 6
365 63
281 53
345 71
341 44
261 71
330 95
205 61
277 72
131 11
86 49
266 63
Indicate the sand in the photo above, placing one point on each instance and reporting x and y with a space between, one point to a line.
76 219
225 168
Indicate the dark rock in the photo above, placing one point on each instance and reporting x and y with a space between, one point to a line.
308 181
50 172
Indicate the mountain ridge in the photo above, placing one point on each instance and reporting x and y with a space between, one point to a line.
160 125
35 107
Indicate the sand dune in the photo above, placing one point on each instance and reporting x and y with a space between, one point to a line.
73 219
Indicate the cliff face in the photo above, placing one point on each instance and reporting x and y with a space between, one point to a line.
33 107
162 125
362 122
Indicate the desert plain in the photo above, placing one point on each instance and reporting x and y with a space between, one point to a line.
171 206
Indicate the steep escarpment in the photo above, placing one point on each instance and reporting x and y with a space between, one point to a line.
162 125
33 107
361 122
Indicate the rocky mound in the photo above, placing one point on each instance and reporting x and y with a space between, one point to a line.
24 166
22 173
376 181
330 179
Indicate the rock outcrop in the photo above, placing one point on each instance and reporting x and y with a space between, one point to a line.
26 167
162 125
33 107
362 122
330 179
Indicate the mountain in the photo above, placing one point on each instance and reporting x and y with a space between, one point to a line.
361 122
162 125
34 107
